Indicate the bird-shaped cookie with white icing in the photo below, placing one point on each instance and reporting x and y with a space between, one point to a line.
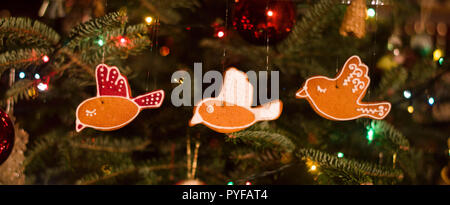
231 111
340 98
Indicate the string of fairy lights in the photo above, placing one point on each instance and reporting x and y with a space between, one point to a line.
438 56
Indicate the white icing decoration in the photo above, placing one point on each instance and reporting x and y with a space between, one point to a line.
321 90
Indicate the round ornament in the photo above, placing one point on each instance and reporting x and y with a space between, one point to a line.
6 136
260 20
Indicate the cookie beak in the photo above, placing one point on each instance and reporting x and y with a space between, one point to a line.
301 93
196 119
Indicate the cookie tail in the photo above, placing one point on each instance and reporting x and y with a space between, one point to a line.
268 111
79 126
376 111
150 100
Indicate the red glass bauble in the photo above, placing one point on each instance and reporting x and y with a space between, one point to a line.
6 136
254 19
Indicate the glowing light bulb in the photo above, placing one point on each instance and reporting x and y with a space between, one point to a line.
270 13
100 42
441 61
437 54
164 51
340 155
248 183
410 109
313 168
123 41
148 19
396 52
371 12
431 101
22 75
45 59
370 135
37 76
42 86
407 94
220 34
230 183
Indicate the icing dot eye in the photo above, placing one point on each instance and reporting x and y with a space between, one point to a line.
210 109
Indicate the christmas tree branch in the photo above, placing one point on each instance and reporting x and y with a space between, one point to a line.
95 178
395 137
121 146
264 139
27 32
164 10
327 160
392 79
310 24
96 26
22 58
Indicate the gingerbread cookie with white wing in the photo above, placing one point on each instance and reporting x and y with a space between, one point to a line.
340 98
231 111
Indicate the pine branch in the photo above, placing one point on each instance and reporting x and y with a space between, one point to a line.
327 160
96 178
25 31
22 58
38 148
392 79
136 41
265 139
394 136
120 146
97 26
165 11
311 23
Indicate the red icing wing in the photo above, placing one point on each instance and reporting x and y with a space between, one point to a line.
150 100
110 82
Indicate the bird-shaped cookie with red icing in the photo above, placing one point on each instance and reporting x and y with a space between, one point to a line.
340 98
231 110
113 107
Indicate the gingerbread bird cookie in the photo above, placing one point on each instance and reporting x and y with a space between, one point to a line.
340 98
231 110
113 107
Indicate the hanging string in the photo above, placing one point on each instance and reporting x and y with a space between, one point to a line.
225 37
195 160
374 48
10 100
224 45
192 162
154 39
337 69
267 38
103 49
188 153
